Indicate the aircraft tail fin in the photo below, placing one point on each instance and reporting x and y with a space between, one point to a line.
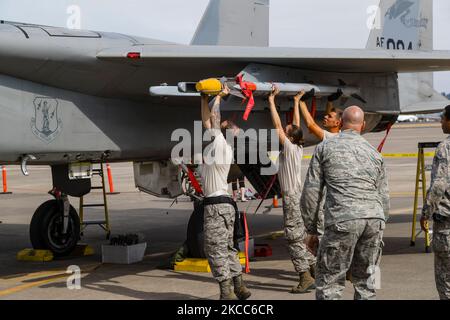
402 25
234 23
408 25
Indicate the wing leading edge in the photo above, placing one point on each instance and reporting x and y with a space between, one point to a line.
332 60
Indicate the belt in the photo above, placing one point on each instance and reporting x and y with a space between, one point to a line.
219 200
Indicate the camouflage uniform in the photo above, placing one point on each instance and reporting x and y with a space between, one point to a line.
290 178
295 233
437 204
356 208
219 218
320 222
223 258
354 245
320 216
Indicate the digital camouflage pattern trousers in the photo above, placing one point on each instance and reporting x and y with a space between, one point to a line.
295 233
354 245
441 248
218 229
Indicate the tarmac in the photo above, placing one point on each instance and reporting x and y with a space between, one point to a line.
406 272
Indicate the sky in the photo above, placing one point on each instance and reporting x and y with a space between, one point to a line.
293 23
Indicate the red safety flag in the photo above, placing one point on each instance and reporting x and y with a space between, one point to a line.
194 182
380 147
247 89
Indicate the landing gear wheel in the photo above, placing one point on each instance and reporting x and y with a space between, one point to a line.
46 229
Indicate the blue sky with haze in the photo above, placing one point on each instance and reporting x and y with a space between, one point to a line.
296 23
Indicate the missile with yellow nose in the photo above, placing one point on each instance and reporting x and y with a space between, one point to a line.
209 86
213 86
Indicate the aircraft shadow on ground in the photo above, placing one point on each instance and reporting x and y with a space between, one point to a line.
401 245
402 218
102 281
273 279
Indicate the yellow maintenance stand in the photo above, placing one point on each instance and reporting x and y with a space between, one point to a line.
104 223
421 182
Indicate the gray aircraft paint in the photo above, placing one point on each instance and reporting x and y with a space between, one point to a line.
405 25
103 102
404 15
408 25
234 23
134 130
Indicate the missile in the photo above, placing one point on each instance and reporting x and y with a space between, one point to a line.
265 88
291 89
170 91
213 86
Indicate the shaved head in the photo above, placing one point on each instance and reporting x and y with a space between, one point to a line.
353 118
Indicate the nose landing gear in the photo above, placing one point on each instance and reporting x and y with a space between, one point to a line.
55 225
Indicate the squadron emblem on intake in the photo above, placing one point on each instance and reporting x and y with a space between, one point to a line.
46 125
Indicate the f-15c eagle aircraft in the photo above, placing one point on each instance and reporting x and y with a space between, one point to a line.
71 96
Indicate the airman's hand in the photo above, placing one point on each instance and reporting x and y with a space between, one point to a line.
424 223
299 95
273 94
204 96
225 91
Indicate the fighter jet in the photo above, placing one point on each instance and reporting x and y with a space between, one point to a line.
77 96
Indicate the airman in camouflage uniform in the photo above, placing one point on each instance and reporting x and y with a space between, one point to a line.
437 206
295 233
332 125
219 229
289 176
219 214
356 208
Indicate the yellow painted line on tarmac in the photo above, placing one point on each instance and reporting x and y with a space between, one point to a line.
395 155
41 274
416 125
407 155
30 285
402 194
35 275
50 276
404 210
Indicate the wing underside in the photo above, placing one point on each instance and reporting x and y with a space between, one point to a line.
328 60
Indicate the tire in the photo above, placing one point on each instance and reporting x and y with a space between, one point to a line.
36 237
45 226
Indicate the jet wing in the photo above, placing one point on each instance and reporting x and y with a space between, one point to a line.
424 107
331 60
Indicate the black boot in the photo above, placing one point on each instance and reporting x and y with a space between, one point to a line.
240 289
